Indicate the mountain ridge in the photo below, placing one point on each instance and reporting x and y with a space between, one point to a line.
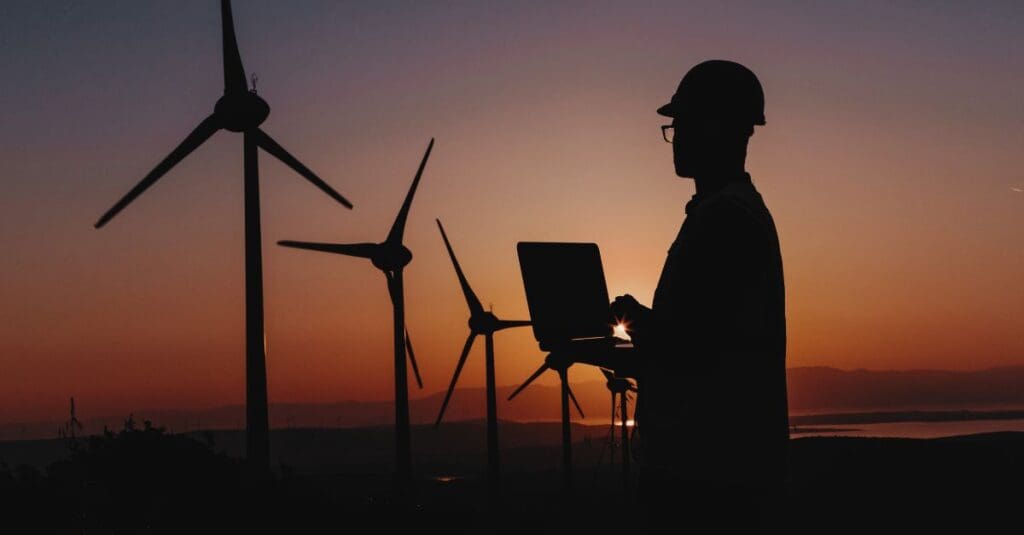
812 389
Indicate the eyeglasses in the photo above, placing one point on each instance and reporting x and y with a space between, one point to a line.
668 132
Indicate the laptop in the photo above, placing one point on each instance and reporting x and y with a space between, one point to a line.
566 294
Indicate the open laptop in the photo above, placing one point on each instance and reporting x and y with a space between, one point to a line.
566 293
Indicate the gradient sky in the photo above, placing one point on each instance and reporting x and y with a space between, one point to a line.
889 161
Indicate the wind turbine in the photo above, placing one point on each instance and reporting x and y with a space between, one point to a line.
560 363
240 109
481 322
72 426
620 387
391 257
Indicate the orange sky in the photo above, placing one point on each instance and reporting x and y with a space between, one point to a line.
888 161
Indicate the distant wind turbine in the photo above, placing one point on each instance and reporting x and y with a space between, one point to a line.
73 426
240 110
390 256
620 388
481 322
560 363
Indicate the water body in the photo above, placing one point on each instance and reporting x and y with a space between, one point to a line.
913 429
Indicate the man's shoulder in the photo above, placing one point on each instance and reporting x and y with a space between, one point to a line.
738 206
728 212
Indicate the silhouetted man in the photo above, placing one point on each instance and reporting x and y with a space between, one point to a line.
713 411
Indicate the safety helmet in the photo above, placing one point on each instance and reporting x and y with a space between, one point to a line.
718 89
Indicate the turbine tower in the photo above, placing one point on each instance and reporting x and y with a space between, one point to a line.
240 109
560 363
391 257
481 322
73 426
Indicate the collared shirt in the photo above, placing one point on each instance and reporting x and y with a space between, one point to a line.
714 383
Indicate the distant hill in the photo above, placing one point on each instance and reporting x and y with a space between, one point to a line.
811 390
537 403
819 389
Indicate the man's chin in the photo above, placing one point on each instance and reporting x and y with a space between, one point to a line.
684 172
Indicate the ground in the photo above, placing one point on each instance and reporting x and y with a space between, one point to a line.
333 480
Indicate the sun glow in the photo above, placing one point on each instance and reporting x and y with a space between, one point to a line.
621 330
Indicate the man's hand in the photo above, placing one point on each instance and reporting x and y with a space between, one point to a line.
631 313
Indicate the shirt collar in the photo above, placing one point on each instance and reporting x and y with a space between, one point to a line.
741 180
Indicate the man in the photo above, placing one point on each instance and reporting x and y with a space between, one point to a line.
713 415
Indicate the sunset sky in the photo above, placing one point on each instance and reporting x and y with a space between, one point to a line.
889 161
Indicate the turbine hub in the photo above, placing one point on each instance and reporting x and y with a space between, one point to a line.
239 112
391 257
485 323
618 385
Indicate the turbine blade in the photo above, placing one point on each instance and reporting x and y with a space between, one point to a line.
412 359
361 250
268 144
574 402
475 307
199 134
398 228
509 324
234 73
536 374
455 378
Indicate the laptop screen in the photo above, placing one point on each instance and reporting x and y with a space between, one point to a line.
565 290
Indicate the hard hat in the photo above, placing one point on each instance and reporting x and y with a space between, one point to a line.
718 89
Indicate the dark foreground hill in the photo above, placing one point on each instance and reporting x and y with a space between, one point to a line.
338 481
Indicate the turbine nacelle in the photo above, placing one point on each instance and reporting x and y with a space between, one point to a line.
484 323
616 384
619 385
391 257
558 360
241 112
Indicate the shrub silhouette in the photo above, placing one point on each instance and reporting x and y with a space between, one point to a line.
138 481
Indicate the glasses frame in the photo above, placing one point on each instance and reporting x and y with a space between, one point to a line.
665 129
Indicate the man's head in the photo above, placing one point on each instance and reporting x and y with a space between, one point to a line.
713 113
